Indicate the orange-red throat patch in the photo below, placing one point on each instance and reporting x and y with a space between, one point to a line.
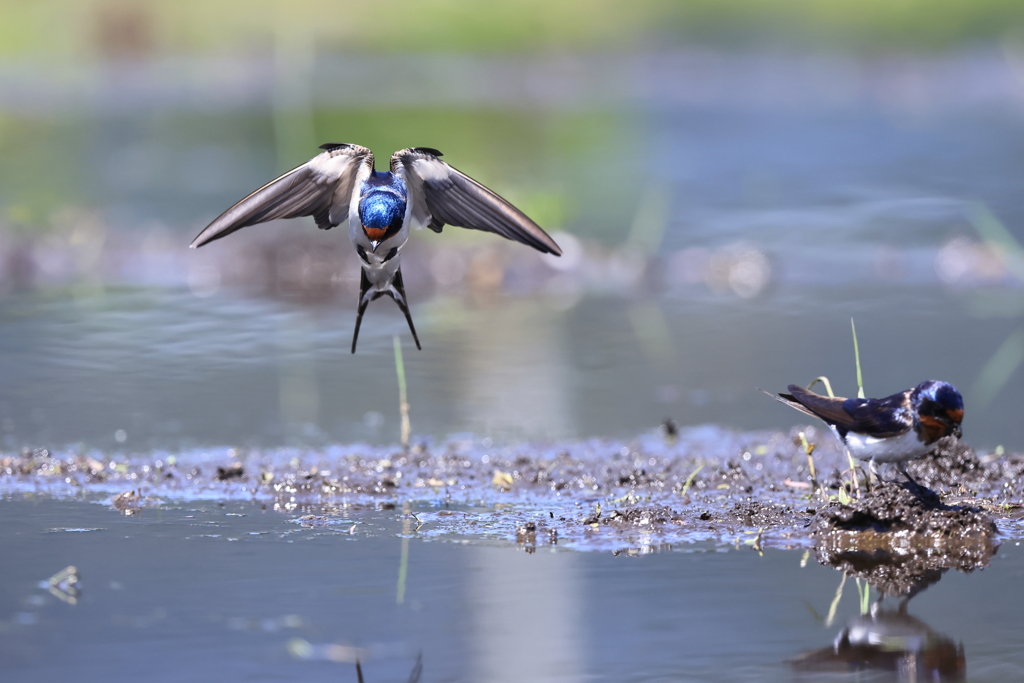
375 234
933 429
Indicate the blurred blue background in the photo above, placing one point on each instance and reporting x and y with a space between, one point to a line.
731 183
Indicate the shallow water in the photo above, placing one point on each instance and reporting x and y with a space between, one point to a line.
237 591
171 370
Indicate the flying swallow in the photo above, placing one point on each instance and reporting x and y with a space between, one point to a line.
341 184
894 429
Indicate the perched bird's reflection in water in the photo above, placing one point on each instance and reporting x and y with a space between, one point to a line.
899 548
414 677
888 638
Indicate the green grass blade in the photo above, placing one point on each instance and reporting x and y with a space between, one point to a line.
403 403
689 480
856 356
824 380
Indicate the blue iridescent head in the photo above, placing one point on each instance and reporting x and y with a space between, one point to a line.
381 214
939 407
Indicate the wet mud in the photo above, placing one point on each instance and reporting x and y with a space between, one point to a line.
697 484
902 538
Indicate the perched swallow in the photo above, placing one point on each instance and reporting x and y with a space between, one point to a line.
895 429
341 185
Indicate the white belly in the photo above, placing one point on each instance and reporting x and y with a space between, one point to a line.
893 449
379 272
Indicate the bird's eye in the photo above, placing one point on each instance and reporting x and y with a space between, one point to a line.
391 254
362 254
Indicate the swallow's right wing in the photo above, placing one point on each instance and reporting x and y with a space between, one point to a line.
322 188
441 194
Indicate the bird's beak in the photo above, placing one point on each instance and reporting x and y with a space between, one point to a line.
957 432
373 246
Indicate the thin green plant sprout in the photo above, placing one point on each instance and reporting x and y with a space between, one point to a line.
856 357
403 403
864 592
809 450
689 480
824 380
835 603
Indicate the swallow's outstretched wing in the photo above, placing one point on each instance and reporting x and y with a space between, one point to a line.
443 195
877 417
321 188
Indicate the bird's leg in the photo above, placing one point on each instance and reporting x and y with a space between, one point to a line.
853 471
902 467
399 288
873 476
364 301
903 604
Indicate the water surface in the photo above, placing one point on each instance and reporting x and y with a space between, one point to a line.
236 591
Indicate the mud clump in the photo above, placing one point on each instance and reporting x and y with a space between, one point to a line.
902 538
905 507
232 471
639 516
954 463
127 503
764 515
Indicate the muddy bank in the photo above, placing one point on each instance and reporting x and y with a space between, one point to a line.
706 484
903 538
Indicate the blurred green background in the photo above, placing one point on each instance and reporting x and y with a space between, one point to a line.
63 29
69 79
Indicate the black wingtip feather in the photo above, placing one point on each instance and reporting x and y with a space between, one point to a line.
429 150
334 145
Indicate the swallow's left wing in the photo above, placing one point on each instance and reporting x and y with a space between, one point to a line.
443 195
321 188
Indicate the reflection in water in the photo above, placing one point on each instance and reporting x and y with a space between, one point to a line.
897 565
64 585
504 401
414 677
889 640
534 636
299 388
907 564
